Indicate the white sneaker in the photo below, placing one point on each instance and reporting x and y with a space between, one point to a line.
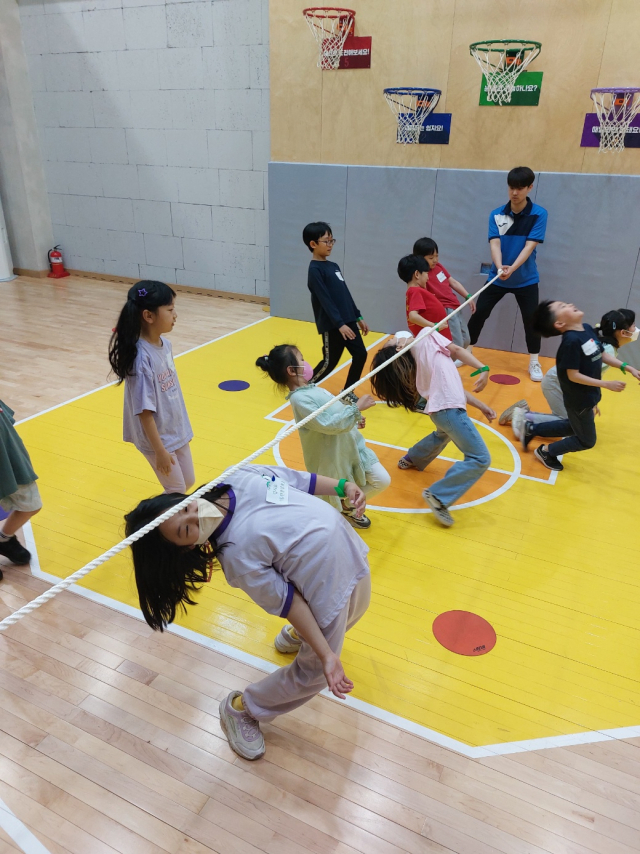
438 509
458 363
285 642
517 421
535 372
242 731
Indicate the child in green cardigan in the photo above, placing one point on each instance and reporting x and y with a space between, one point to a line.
19 495
331 443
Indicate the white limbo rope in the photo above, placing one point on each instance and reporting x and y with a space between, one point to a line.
121 546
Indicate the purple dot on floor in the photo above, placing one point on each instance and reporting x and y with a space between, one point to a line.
233 385
504 379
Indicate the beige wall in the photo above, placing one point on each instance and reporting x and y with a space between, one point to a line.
341 116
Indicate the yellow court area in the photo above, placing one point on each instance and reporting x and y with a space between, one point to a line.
550 564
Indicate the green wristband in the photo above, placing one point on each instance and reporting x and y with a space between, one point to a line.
481 370
360 318
469 296
340 487
623 367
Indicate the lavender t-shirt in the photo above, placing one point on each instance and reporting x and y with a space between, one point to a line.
154 385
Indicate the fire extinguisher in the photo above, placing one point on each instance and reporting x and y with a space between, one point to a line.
55 262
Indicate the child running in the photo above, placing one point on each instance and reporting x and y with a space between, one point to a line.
337 318
19 495
290 553
331 443
579 362
155 417
432 374
616 328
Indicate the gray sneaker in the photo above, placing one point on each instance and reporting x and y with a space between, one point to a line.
439 510
518 421
507 415
242 731
285 642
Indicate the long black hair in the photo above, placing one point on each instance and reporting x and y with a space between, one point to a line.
166 574
124 340
612 322
395 384
276 363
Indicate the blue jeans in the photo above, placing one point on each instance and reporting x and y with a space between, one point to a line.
452 425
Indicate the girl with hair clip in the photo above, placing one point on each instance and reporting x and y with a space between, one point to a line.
331 443
616 328
290 553
155 417
428 370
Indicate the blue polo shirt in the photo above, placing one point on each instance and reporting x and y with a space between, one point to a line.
514 229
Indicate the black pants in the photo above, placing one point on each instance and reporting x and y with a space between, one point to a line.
333 345
578 428
527 299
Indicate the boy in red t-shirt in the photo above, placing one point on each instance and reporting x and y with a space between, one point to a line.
445 287
423 308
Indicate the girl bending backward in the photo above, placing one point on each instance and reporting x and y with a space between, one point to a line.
291 553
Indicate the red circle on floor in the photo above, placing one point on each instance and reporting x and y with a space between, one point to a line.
504 379
464 633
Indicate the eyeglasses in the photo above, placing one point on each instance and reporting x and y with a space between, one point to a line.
329 242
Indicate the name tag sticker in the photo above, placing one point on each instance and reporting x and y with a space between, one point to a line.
277 491
339 275
441 277
590 347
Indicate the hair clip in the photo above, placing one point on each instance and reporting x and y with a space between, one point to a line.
142 292
614 325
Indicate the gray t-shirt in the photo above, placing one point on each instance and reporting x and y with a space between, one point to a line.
154 385
272 550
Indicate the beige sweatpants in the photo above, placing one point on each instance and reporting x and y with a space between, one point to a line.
289 687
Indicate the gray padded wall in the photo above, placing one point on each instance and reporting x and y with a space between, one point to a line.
590 255
300 193
386 211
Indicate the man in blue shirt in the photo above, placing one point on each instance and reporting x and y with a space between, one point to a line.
515 230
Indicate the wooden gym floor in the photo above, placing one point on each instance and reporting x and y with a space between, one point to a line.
109 738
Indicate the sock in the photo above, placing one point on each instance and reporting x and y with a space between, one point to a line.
294 634
4 537
237 703
533 358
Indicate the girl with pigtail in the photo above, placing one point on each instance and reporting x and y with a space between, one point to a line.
155 417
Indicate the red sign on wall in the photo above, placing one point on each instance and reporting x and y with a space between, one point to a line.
356 52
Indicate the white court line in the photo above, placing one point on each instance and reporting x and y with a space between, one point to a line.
360 705
108 385
20 834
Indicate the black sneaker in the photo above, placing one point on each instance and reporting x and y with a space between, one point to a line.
528 431
14 551
548 459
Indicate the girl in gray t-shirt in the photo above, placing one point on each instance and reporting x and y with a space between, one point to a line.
294 555
155 417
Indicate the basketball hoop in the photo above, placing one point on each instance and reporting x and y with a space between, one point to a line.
330 28
502 61
411 106
616 109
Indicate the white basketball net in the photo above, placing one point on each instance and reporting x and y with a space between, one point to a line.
502 62
330 28
616 110
411 107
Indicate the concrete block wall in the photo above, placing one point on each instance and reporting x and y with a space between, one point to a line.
154 128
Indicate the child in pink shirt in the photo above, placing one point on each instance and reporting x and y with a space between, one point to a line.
428 370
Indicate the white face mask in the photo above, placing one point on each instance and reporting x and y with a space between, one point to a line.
209 517
633 335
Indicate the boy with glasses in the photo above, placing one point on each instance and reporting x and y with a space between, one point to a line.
337 318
